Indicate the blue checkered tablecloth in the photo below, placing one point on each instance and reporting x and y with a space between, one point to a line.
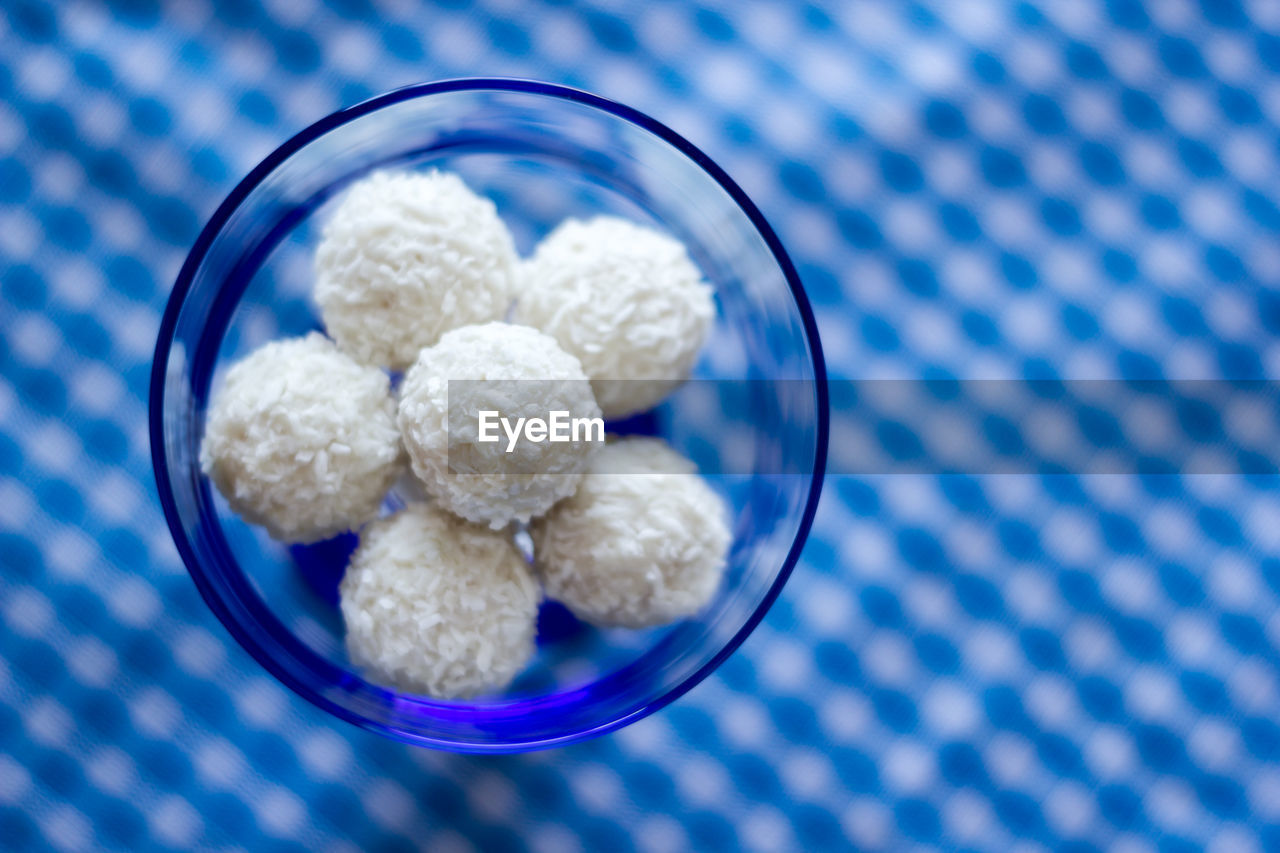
986 188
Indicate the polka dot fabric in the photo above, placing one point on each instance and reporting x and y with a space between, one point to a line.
977 189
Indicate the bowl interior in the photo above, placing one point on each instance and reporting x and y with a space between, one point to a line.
753 419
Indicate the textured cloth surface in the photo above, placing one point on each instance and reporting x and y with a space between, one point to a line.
979 187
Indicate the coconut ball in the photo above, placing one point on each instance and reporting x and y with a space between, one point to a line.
436 605
302 440
643 542
406 257
624 299
515 372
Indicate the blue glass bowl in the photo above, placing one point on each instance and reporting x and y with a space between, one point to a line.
757 425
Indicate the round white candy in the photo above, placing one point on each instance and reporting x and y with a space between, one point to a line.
302 440
435 605
643 542
406 257
626 300
515 372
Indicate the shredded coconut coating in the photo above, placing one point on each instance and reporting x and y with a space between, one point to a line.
302 440
525 374
626 300
643 542
435 605
405 258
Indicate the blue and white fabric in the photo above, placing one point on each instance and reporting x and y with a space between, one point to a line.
984 188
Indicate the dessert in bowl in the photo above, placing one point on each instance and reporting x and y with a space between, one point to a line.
753 417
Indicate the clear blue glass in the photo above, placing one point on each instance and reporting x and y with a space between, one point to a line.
542 152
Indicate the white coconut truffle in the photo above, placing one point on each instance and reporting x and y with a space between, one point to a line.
406 257
623 298
643 542
435 605
302 440
517 372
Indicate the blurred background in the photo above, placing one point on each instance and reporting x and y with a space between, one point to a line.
976 189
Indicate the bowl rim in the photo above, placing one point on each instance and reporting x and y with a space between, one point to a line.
232 202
